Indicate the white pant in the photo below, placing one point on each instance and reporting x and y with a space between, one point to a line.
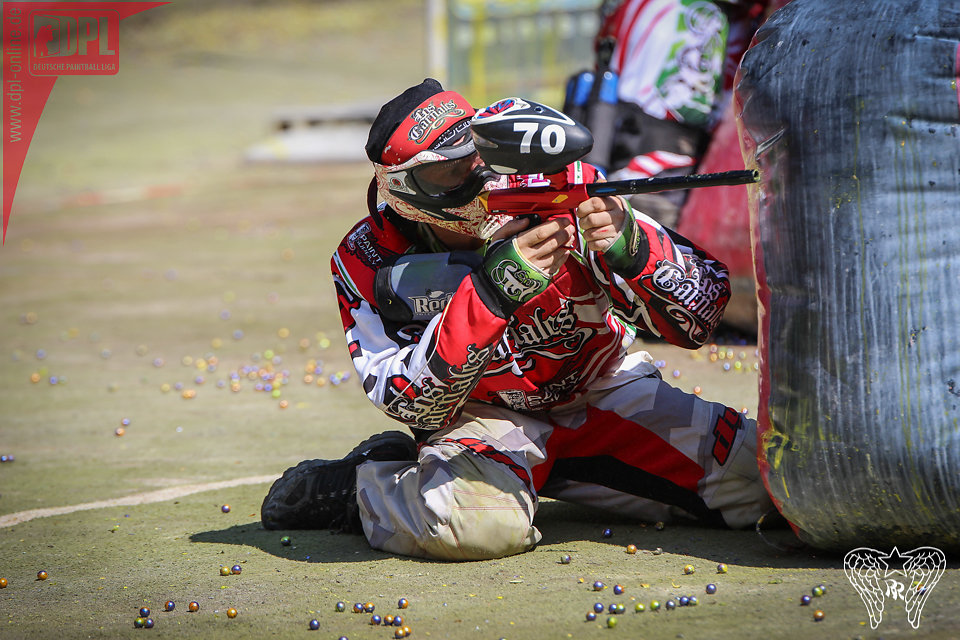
634 444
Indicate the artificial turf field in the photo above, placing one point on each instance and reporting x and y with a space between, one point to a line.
137 305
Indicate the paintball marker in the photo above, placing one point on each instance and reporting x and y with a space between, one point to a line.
515 136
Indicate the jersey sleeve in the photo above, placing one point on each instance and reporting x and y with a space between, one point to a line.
675 290
418 373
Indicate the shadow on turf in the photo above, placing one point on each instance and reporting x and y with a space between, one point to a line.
305 546
560 523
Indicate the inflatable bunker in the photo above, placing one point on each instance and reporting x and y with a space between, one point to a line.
850 111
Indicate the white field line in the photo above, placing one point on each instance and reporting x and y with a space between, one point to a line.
159 495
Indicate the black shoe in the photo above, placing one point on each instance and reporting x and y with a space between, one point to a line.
322 494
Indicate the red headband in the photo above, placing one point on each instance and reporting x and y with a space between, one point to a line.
420 130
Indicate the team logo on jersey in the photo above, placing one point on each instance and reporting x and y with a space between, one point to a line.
552 336
532 339
700 294
436 400
909 577
672 279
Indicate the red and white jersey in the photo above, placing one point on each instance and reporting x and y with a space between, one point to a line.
543 355
676 59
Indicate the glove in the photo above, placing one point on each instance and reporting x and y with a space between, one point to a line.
629 252
510 277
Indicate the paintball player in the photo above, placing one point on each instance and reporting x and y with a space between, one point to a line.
663 78
501 343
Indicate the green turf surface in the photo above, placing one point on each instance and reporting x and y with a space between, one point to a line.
120 301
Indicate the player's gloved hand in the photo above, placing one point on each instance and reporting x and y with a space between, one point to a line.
609 228
520 260
601 219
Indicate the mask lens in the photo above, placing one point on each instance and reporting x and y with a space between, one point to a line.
437 178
